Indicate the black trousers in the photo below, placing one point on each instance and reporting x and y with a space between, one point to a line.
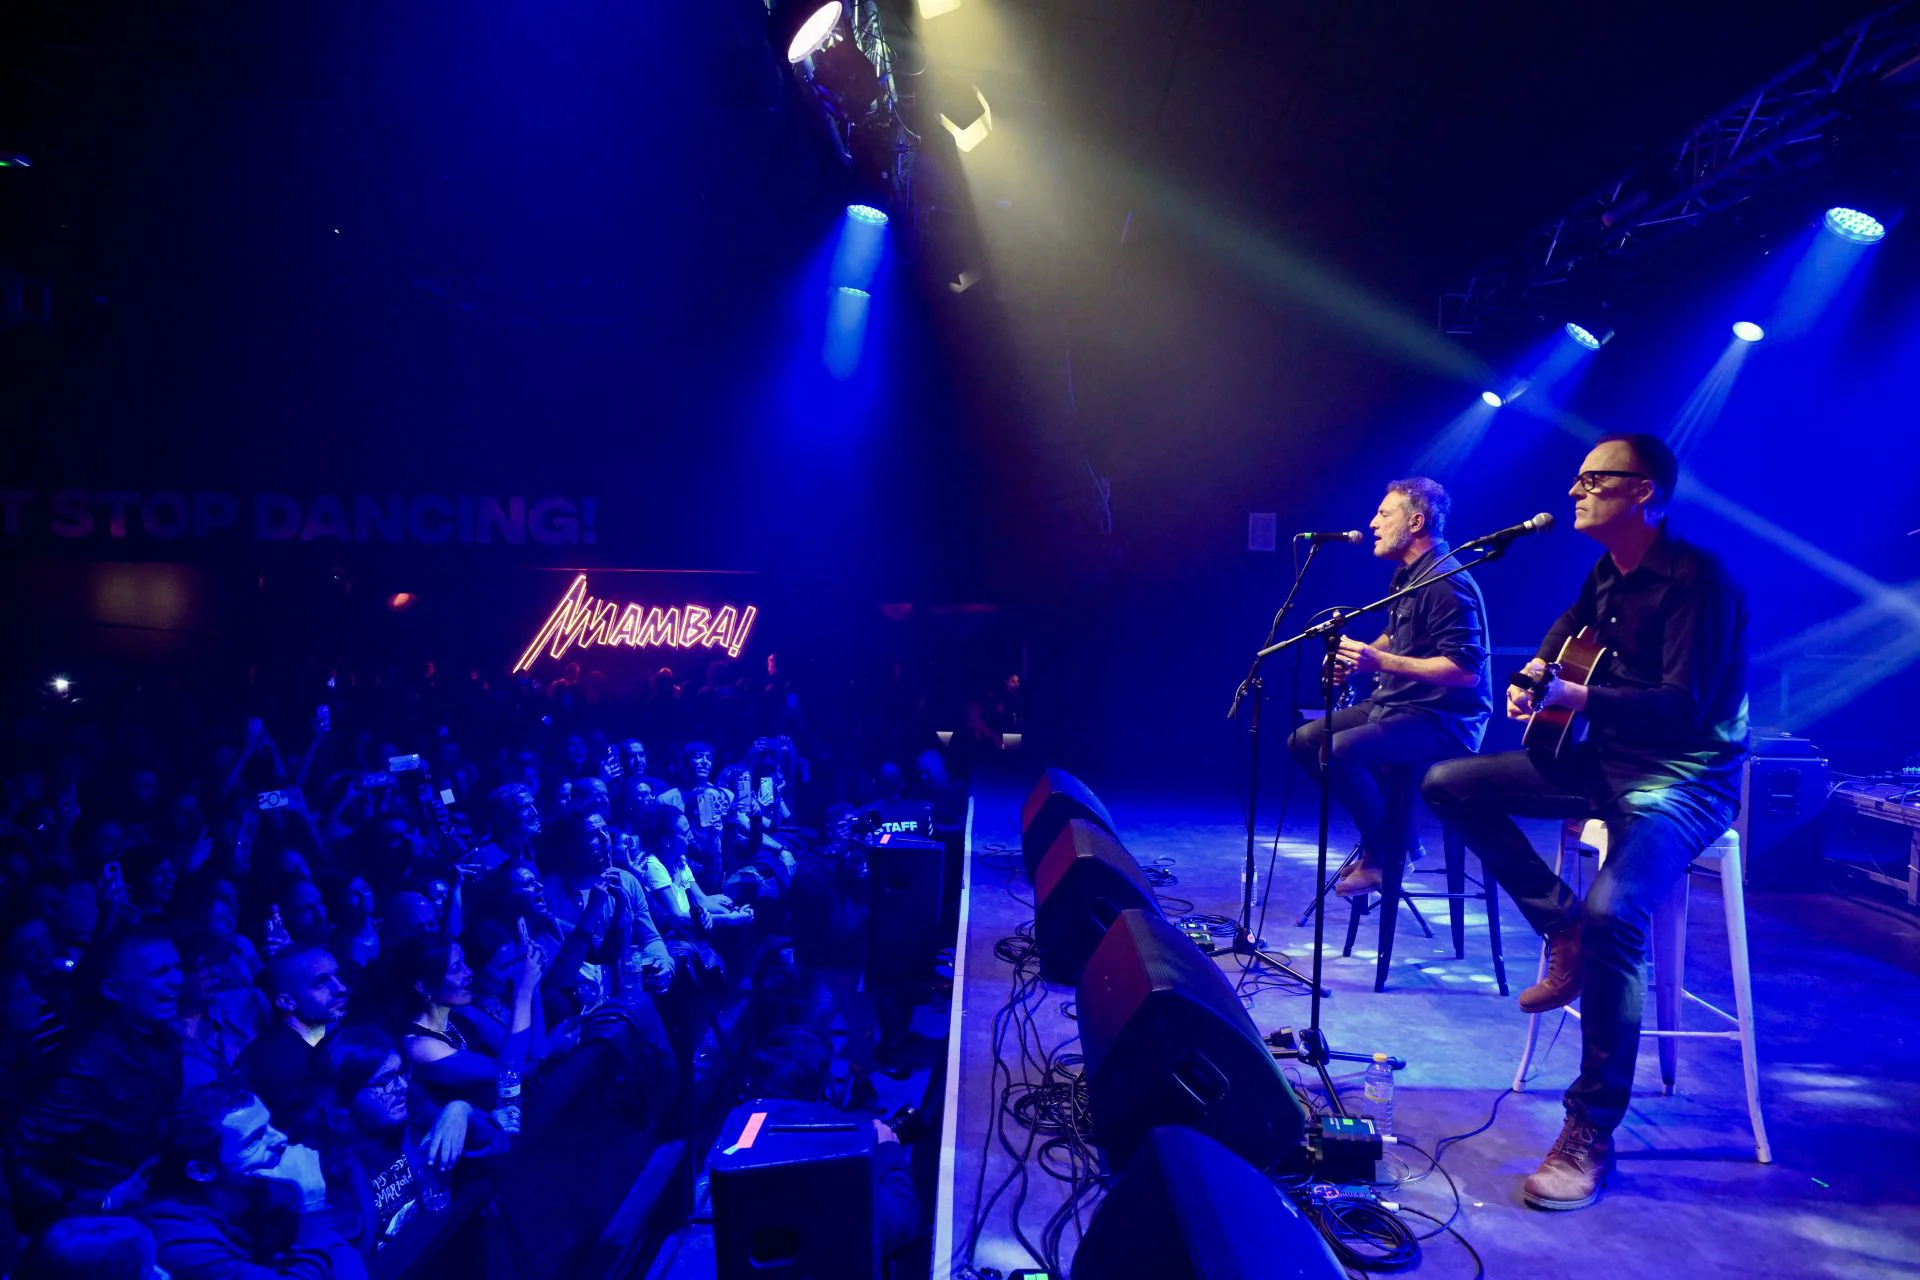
1652 836
1363 746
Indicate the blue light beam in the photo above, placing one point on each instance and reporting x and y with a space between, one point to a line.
846 339
1703 407
858 252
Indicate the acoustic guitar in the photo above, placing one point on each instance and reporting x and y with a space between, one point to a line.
1551 730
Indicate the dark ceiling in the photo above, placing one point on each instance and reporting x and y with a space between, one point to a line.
1407 140
628 176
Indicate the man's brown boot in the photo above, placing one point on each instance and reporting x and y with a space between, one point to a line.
1574 1171
1562 984
1362 877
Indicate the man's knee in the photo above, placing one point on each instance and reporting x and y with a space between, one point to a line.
1447 784
1304 743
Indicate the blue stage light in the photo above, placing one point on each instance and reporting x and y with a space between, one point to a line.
1851 224
867 213
1491 399
1748 331
1585 337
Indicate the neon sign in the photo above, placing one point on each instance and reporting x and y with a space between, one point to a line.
581 621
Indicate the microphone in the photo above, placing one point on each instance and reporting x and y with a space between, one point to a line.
1353 536
1504 536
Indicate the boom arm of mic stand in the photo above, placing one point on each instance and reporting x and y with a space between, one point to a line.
1338 622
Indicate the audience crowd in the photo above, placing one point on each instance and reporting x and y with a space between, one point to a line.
278 973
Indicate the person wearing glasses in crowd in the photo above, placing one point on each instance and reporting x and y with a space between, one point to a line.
1667 717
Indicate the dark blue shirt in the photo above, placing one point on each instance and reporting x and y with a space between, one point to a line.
1441 620
1669 703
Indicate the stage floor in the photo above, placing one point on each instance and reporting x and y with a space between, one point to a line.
1839 1042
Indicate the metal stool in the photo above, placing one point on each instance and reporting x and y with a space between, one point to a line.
1668 944
1393 873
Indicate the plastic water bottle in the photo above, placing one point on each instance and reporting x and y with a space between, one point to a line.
1379 1094
507 1112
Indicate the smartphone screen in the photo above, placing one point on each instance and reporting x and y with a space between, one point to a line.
766 791
271 800
402 764
446 795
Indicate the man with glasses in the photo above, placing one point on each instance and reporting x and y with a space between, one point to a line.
1667 717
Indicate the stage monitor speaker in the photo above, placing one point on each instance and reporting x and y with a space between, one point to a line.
1168 1042
1786 800
792 1190
1084 881
905 878
1188 1209
1054 800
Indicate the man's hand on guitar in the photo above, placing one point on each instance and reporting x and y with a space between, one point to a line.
1358 658
1549 691
1521 702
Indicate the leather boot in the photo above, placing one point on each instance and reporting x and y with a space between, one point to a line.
1574 1171
1564 977
1362 876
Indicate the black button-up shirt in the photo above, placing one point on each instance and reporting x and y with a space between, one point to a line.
1669 703
1441 620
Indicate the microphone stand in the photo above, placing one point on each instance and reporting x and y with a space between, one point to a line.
1308 1044
1244 941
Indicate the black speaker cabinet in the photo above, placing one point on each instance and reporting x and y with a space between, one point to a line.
1188 1209
1084 880
1054 800
905 878
1167 1042
793 1194
1786 798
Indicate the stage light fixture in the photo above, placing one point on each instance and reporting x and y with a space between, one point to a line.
800 27
1748 331
1491 399
934 8
1591 339
868 214
61 684
964 112
1853 225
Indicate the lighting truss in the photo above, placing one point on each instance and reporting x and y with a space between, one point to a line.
1777 130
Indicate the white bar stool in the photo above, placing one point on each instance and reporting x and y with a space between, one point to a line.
1668 944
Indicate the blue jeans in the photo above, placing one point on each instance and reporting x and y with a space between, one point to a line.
1652 836
1364 747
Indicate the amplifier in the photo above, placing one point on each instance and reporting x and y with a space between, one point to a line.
1785 796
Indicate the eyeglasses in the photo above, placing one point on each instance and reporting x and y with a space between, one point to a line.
1590 480
387 1084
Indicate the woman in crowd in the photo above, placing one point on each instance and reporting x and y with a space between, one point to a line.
487 1020
433 979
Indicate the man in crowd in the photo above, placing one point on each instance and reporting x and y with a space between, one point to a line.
309 999
1432 694
514 822
83 1140
234 1201
1661 767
